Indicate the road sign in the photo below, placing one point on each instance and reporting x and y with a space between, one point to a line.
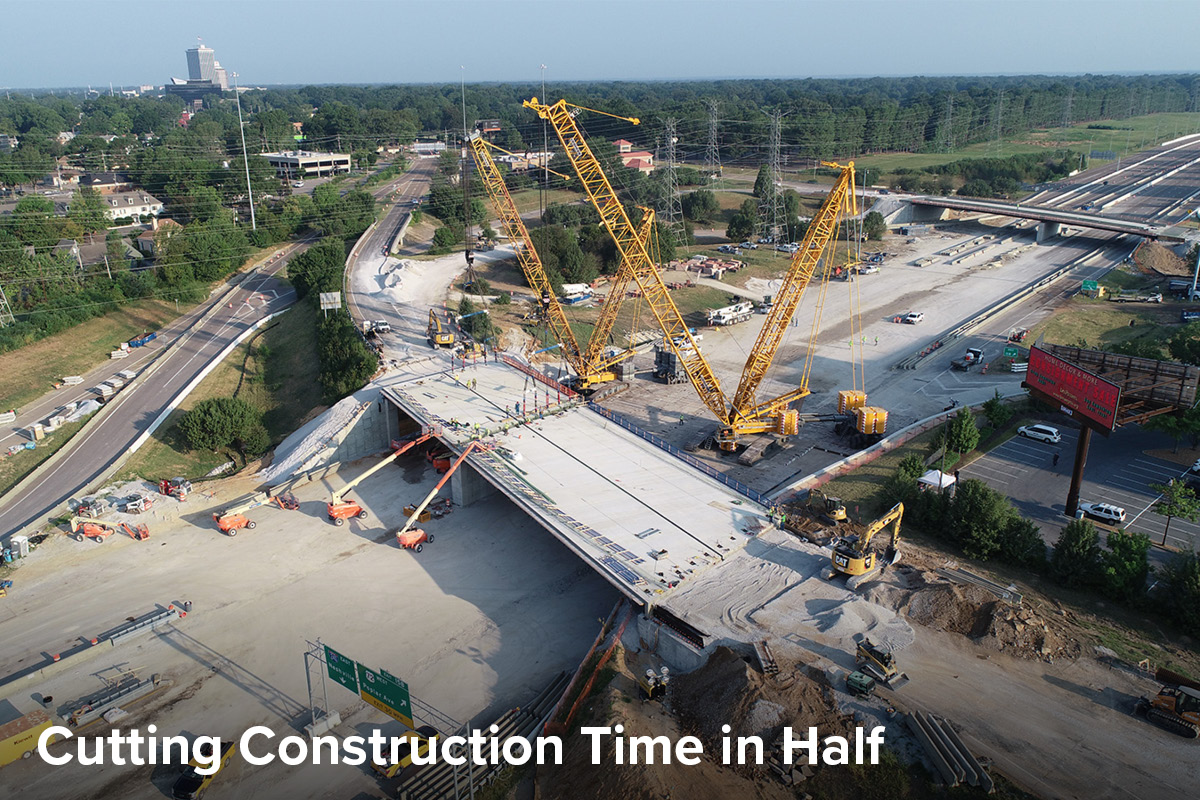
1011 352
331 301
341 669
386 692
1090 286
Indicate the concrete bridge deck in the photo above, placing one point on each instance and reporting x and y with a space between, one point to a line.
1044 214
642 518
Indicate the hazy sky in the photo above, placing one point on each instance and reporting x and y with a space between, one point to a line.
93 42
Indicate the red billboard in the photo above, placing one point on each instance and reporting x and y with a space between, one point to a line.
1077 390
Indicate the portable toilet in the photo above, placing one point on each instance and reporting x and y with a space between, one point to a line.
19 545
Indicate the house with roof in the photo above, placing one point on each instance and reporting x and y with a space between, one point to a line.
641 160
134 204
145 241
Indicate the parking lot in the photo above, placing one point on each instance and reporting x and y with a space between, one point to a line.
1118 472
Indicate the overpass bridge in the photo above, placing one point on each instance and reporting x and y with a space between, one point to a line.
644 515
1051 218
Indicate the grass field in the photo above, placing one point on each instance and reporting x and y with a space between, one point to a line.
14 468
1120 136
530 199
1100 324
275 371
27 373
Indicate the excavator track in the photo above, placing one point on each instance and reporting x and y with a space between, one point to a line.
1173 723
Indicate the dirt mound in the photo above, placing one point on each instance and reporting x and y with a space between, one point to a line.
578 779
1153 256
1023 632
973 612
952 608
728 690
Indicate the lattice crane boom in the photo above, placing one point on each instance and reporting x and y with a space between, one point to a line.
747 413
531 263
633 250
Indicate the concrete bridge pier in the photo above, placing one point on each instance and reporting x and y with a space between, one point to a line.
468 487
1047 230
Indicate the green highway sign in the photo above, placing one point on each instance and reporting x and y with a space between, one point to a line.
1090 286
1011 352
386 692
341 669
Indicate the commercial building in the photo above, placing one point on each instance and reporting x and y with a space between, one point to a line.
205 76
301 163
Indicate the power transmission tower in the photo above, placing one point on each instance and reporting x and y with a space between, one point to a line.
6 315
1067 110
770 205
712 155
947 132
998 128
672 212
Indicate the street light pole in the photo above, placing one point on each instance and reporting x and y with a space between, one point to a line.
245 158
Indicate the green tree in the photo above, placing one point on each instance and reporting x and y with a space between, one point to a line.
962 433
978 515
446 238
220 422
998 412
1125 566
1184 344
1181 584
701 205
744 222
762 182
1076 555
87 210
873 225
1177 500
1021 543
1169 424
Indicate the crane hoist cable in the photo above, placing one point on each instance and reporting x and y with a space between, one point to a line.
676 334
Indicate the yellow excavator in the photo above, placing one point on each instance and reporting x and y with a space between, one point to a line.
439 335
853 557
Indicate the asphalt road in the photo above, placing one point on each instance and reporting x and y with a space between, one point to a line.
1118 472
132 411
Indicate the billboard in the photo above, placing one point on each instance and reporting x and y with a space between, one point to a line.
1078 391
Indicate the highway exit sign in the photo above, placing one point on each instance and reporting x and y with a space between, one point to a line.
1090 286
386 692
1011 352
341 669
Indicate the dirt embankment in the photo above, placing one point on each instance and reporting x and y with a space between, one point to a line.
727 690
1156 258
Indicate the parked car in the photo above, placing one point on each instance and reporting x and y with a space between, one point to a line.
297 184
868 269
748 246
1196 466
1043 433
1105 512
913 317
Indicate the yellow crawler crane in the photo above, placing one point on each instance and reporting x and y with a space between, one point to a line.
590 363
747 413
634 251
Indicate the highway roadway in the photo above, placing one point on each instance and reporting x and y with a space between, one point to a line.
194 342
133 410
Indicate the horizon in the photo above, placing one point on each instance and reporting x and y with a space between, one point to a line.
610 41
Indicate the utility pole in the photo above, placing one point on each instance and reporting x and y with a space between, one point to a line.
712 154
771 201
545 152
237 96
465 179
1067 109
672 211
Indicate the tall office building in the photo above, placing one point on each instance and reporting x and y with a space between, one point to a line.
201 64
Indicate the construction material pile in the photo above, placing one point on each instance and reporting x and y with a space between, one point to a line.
1153 256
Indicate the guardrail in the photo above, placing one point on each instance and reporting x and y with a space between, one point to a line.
687 458
913 361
